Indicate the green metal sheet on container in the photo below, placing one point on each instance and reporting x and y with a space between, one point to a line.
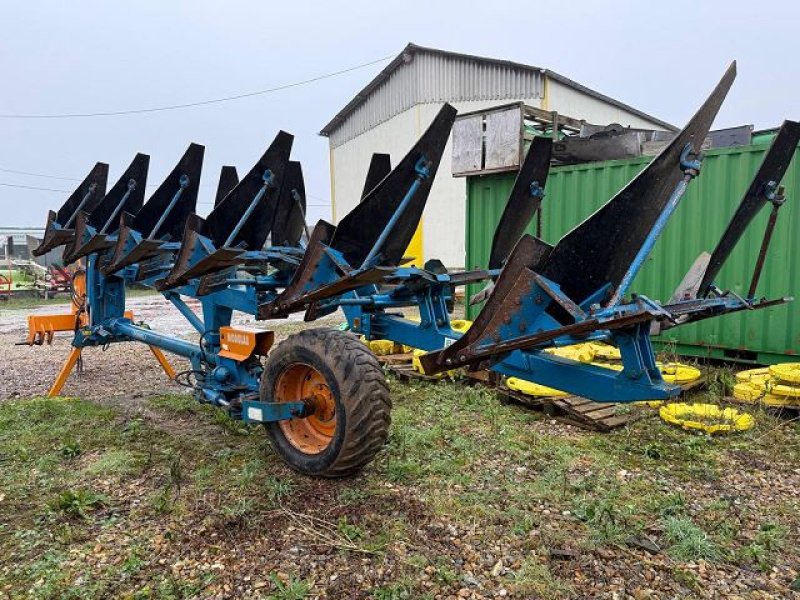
574 192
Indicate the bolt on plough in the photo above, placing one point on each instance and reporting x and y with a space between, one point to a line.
321 394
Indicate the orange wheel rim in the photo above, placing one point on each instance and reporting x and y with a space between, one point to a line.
301 382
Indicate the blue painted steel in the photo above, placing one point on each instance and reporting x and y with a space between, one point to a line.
184 183
423 171
269 181
83 201
254 411
184 309
105 295
690 168
124 328
113 216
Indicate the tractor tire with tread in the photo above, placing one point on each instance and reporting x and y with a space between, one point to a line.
355 387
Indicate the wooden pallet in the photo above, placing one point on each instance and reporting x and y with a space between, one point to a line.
580 412
583 413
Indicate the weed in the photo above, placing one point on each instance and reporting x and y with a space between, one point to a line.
768 540
248 473
291 589
176 478
686 541
239 508
113 462
718 382
534 579
134 562
276 489
77 503
352 495
71 449
171 588
670 504
231 425
133 429
349 530
606 515
446 575
686 578
395 591
164 501
523 522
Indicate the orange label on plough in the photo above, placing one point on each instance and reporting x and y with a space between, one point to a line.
240 343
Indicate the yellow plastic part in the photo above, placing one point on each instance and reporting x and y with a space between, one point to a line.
460 325
383 347
690 416
533 389
578 352
417 366
605 351
786 372
679 373
779 388
754 393
754 375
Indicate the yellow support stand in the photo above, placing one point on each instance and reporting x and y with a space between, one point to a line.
63 374
162 360
75 354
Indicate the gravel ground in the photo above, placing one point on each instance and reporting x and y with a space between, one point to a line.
123 370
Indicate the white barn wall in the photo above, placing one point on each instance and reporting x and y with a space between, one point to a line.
579 105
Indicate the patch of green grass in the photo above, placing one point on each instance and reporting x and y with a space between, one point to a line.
352 495
394 591
769 539
277 488
456 457
533 579
292 589
71 449
176 403
116 463
77 503
607 517
686 541
349 530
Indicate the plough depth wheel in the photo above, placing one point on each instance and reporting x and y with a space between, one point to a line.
343 385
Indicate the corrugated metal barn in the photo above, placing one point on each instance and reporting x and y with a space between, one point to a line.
390 113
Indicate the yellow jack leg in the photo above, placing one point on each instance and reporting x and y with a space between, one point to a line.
162 360
63 374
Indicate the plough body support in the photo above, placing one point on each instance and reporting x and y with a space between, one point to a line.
542 295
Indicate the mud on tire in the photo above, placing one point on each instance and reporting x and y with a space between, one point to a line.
350 422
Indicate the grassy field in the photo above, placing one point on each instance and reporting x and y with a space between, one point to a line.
471 498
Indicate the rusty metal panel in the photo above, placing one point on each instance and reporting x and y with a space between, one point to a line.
574 192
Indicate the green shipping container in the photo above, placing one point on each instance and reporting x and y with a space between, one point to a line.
574 192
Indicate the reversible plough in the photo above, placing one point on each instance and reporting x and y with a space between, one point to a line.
321 394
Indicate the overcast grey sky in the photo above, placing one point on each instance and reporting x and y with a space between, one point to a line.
87 56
